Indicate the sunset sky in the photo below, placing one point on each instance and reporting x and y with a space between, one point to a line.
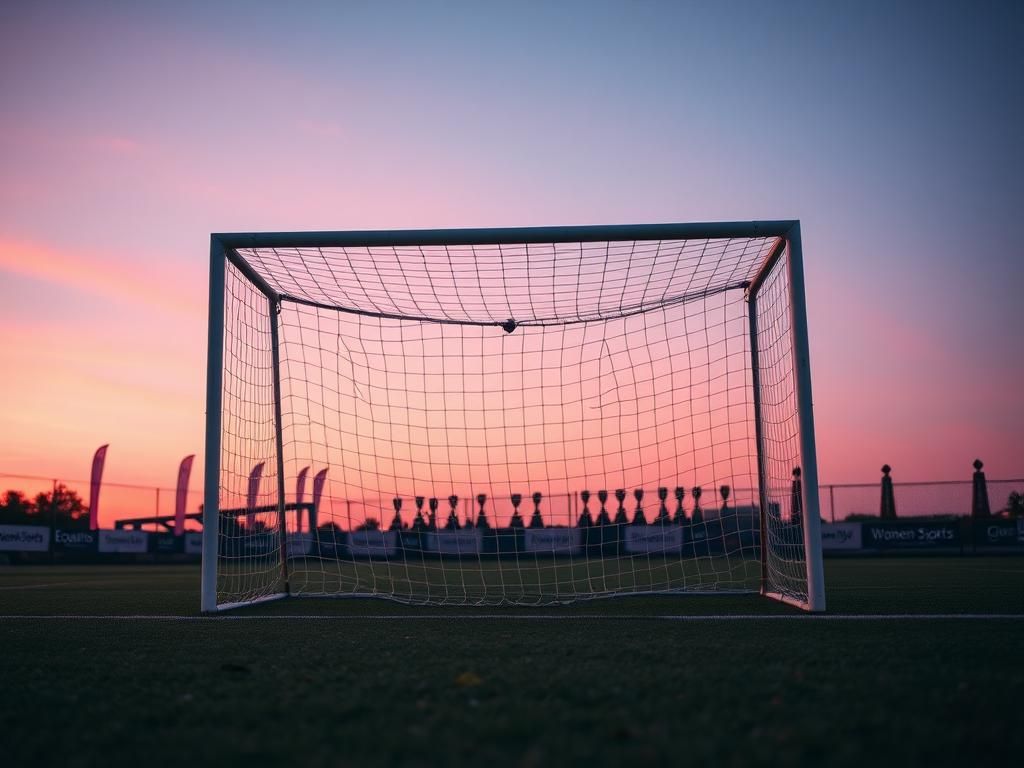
128 134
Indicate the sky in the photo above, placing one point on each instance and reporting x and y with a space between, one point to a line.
130 132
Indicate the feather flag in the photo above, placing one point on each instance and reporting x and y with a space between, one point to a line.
300 493
254 489
181 495
98 459
318 492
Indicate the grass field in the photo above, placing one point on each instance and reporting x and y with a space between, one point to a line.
534 581
351 682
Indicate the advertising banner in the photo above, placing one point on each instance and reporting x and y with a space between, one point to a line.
75 542
555 541
410 539
911 535
24 538
193 543
300 544
454 542
331 542
372 543
259 544
642 539
697 532
123 542
1003 534
166 544
841 536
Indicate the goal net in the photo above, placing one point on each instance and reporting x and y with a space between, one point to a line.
519 416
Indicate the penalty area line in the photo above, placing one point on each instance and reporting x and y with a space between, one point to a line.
533 617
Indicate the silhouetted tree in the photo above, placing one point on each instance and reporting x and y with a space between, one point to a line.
329 534
1015 504
17 509
62 507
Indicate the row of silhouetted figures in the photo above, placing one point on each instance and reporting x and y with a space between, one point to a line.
678 516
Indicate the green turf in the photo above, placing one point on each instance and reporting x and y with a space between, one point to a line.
527 582
362 691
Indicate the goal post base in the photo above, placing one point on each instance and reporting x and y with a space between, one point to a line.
803 605
245 603
547 602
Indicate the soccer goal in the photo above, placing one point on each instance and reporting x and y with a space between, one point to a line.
527 416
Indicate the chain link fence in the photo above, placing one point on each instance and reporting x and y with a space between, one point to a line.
121 501
925 499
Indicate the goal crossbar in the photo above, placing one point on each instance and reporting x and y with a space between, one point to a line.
506 235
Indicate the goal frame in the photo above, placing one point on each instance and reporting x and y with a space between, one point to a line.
224 247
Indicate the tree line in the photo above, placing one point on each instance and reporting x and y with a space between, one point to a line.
62 508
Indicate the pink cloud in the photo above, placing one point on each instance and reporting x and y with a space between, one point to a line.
100 275
326 129
117 145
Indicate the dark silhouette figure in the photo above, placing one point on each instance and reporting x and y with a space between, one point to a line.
698 513
396 521
452 524
639 518
418 523
1015 505
724 491
602 517
620 513
662 518
979 494
516 521
481 519
887 511
796 498
432 518
536 521
680 516
585 521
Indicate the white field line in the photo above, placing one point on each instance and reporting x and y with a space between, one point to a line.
535 617
51 584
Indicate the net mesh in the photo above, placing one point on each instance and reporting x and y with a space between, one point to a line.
510 424
784 558
249 541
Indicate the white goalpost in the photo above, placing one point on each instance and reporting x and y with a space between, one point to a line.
528 416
